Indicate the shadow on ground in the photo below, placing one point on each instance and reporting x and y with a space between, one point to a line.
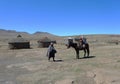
58 60
88 57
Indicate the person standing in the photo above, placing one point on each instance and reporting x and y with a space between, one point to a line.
51 52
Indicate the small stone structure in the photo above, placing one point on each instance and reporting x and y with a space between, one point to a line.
44 42
19 43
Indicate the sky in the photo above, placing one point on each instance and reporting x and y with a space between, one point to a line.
61 17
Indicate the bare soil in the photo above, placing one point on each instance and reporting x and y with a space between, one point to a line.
30 66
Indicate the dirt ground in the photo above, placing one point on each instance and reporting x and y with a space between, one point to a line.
30 66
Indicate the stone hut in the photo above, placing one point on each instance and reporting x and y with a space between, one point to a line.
19 43
44 42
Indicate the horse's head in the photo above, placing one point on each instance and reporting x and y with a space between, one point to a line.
69 44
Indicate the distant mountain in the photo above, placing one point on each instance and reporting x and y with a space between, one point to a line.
7 31
43 34
37 33
12 34
40 33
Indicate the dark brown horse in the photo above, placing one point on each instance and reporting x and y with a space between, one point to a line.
77 48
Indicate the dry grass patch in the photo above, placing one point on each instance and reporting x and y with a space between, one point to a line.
30 66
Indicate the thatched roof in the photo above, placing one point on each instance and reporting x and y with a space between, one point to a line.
45 39
19 39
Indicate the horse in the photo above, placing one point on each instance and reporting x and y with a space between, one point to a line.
78 48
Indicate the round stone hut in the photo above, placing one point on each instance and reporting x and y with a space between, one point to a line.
19 43
45 42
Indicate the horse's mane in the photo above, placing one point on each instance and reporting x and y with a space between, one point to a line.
74 45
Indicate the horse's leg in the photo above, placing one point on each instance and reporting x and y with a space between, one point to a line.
49 58
84 52
88 51
77 54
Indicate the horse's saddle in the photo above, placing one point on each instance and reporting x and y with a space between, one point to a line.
80 45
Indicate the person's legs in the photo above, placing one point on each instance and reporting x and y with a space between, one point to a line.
54 58
53 55
50 55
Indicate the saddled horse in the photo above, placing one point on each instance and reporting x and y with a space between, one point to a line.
77 48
